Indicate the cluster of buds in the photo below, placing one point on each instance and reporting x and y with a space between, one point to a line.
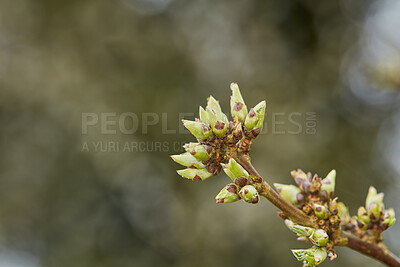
220 141
313 195
309 188
373 217
318 237
217 137
241 187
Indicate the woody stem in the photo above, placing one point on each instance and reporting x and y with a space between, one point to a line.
370 250
265 190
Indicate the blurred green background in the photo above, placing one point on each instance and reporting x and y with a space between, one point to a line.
63 205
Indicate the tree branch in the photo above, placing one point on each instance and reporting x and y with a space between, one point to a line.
370 250
295 214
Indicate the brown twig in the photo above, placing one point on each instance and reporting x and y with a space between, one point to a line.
297 216
265 190
370 250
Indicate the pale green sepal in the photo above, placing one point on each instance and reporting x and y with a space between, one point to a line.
228 194
234 170
289 192
328 183
238 107
195 174
312 256
187 160
319 238
299 229
198 129
249 194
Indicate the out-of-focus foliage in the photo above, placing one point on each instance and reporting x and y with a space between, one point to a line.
61 206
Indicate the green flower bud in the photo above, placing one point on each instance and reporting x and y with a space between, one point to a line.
362 215
237 131
374 211
301 180
391 212
328 184
320 211
386 219
251 120
361 225
189 146
228 194
249 194
204 117
392 217
373 197
201 152
187 160
198 129
260 110
234 170
343 212
219 128
218 120
213 107
238 107
195 174
312 256
255 119
299 229
290 193
319 238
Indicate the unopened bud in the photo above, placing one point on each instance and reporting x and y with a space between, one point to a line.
187 160
389 217
234 170
362 215
328 184
198 129
249 194
189 146
392 216
195 174
204 117
301 180
214 112
255 118
219 128
299 229
290 193
251 120
237 131
201 152
343 211
312 256
238 107
228 194
320 211
362 225
213 104
373 197
374 211
319 238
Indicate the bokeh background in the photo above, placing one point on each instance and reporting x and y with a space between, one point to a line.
62 205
